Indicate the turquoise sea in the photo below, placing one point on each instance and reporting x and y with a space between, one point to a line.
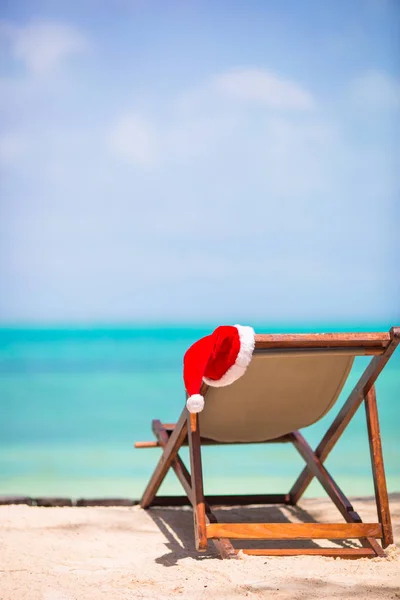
74 400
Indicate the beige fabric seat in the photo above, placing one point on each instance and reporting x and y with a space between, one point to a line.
278 394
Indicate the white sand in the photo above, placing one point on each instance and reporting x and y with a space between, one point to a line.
126 553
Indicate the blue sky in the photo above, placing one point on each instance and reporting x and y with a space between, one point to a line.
188 161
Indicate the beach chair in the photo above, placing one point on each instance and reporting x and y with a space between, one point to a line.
291 382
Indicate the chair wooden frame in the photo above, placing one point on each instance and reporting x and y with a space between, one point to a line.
171 437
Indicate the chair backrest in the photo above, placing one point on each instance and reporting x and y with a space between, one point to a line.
291 382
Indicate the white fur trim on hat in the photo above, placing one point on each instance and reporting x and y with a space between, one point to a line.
247 343
195 403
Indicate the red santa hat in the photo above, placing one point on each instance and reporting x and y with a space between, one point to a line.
218 359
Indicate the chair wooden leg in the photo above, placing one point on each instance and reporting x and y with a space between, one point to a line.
346 413
350 553
375 445
332 489
223 546
177 465
166 460
199 512
326 480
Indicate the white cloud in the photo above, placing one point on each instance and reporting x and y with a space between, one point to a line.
145 142
200 120
43 45
376 90
265 88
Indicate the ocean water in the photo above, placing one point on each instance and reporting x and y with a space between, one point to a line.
73 401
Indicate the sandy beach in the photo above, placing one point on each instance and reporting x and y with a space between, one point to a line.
121 553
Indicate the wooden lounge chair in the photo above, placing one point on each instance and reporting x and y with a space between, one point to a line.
292 381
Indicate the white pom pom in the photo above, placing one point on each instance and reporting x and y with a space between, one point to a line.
195 403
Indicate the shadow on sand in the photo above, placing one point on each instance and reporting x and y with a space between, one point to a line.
176 524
